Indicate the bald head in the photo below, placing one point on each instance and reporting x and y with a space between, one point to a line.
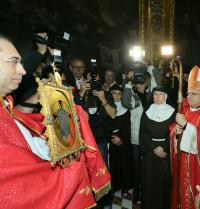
3 37
77 66
11 70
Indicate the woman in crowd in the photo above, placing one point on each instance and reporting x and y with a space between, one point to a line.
120 146
155 147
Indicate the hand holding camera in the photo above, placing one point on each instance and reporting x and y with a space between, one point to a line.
85 86
137 73
42 48
130 75
100 94
53 38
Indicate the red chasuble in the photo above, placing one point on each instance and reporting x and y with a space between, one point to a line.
189 167
28 182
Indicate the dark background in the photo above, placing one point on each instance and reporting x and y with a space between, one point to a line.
97 26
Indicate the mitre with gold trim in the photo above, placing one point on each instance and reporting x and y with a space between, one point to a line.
194 78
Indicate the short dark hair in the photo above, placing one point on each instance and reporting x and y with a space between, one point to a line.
76 59
109 70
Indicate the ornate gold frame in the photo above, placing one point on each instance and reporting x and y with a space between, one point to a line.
64 138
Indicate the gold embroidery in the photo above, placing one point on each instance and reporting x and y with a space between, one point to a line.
87 190
92 206
2 103
102 191
186 181
101 171
90 147
188 164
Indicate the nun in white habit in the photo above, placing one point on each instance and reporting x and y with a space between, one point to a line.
155 147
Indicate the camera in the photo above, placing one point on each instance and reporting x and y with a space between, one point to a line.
95 84
140 72
54 39
56 58
139 77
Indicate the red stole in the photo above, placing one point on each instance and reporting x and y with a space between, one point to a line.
32 121
190 167
26 181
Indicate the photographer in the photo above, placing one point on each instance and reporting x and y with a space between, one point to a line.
34 65
36 57
75 73
47 44
100 108
109 79
136 98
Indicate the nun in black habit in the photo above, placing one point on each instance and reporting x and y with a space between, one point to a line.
155 147
120 146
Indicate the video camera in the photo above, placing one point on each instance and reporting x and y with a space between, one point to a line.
140 72
139 76
54 39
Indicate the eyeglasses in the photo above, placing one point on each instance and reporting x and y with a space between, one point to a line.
158 94
192 94
77 67
13 61
116 93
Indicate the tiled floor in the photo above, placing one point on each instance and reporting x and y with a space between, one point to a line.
123 203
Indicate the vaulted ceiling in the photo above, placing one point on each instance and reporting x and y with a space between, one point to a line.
110 23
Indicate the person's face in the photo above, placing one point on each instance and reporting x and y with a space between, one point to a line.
117 95
109 77
78 68
193 98
140 87
159 97
11 70
39 69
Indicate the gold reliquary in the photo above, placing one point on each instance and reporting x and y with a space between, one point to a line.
61 121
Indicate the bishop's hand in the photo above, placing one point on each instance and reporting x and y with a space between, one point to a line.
197 198
180 119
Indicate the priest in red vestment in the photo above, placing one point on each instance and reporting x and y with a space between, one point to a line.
187 124
27 179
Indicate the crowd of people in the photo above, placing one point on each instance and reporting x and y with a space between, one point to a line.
130 128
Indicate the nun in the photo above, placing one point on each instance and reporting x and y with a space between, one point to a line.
120 145
155 148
